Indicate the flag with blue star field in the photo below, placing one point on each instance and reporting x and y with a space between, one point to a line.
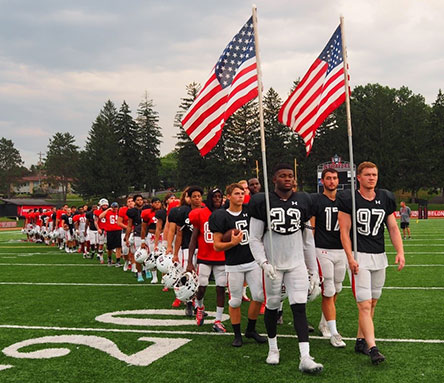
232 83
319 93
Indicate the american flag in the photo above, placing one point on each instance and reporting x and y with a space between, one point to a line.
320 92
232 83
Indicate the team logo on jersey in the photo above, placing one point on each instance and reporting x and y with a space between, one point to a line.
294 202
377 202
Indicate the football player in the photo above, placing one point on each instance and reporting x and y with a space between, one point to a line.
185 229
59 226
239 262
287 262
113 232
329 252
101 226
148 232
374 209
122 221
68 226
135 226
80 227
208 260
92 235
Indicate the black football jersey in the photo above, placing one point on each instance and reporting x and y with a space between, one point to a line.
370 218
180 218
287 216
221 221
327 235
90 220
67 220
135 215
161 214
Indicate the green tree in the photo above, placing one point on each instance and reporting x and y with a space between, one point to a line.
127 134
435 144
168 170
61 160
10 165
101 169
189 161
149 136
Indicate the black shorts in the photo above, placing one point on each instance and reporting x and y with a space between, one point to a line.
113 239
404 225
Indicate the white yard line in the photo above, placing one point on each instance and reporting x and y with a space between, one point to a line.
169 332
158 284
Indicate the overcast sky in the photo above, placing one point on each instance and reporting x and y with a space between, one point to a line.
61 60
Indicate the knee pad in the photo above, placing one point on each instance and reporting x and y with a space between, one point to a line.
257 296
273 303
235 302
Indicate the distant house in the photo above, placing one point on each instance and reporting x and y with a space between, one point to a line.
28 184
16 207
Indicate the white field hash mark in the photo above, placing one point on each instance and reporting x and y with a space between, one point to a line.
170 332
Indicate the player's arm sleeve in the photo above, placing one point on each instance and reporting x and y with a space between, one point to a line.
255 241
344 201
216 222
309 250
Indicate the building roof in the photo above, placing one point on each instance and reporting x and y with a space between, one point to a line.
28 201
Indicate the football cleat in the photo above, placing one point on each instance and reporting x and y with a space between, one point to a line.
361 346
254 335
308 365
165 289
125 266
148 274
237 342
273 356
200 316
219 327
154 280
336 341
140 278
375 356
176 303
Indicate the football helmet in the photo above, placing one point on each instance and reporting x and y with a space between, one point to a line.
164 262
103 201
150 262
186 286
141 255
172 276
314 286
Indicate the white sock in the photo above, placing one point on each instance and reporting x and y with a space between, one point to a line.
273 343
139 274
199 302
323 320
332 326
304 349
154 280
219 312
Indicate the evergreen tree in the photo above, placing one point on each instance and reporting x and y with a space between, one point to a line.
149 134
100 168
61 160
435 144
127 134
189 161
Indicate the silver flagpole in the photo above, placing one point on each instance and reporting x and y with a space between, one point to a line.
262 129
350 140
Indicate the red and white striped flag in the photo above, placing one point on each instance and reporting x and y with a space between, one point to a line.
319 93
232 83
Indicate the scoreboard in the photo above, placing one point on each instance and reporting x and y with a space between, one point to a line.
344 172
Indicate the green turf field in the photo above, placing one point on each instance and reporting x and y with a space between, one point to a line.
57 325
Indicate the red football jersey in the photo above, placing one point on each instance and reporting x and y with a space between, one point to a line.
147 216
81 218
174 203
111 221
122 213
199 219
101 221
59 214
